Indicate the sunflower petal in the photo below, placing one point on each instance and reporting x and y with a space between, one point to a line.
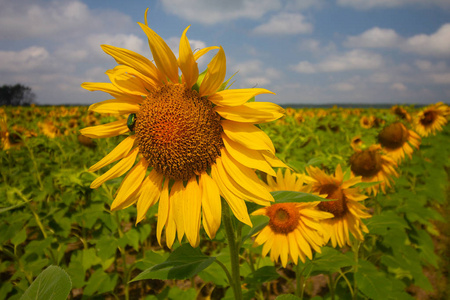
248 157
215 74
130 185
106 130
118 170
252 112
247 135
126 83
117 153
177 202
164 58
211 205
236 97
203 51
120 106
163 210
151 191
187 62
192 210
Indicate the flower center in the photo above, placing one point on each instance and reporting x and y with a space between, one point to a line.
178 132
393 136
428 118
284 217
338 207
366 163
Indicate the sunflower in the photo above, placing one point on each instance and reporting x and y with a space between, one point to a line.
431 119
347 209
396 140
356 143
294 229
373 166
366 122
401 113
193 140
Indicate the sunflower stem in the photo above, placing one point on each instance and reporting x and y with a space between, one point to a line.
234 251
355 248
299 281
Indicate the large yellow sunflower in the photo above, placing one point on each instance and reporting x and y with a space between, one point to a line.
373 166
431 119
294 229
193 140
347 209
396 140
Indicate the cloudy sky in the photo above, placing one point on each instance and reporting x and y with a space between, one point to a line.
306 51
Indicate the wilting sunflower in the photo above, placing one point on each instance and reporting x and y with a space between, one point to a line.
373 166
194 141
431 119
294 229
347 209
396 140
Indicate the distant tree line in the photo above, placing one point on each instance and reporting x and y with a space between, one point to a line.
18 94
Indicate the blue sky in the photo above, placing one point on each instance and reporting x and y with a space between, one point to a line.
306 51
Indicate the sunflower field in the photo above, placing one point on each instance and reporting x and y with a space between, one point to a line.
374 181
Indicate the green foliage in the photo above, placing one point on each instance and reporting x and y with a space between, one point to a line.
52 284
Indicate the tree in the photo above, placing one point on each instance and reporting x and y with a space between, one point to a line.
16 95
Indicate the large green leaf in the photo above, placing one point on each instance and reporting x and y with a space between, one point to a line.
329 261
264 274
183 263
52 284
290 196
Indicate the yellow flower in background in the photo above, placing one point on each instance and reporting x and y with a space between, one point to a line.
366 122
346 209
294 229
431 119
356 143
194 140
396 140
373 166
401 113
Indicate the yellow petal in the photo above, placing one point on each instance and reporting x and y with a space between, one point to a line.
117 153
186 61
203 51
164 58
252 112
135 61
119 106
215 75
106 130
127 84
293 247
211 205
273 160
118 170
177 201
249 158
147 82
130 185
151 191
236 97
163 210
236 204
246 179
247 135
192 210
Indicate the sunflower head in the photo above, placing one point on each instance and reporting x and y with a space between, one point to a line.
393 136
338 207
431 119
283 217
366 163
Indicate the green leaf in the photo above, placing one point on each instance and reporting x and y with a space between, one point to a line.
363 185
19 238
52 284
291 196
287 297
264 274
371 282
100 282
387 220
329 261
183 263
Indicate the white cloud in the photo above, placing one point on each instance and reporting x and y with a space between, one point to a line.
428 66
216 11
285 24
442 78
369 4
343 87
398 86
436 44
24 60
374 38
254 73
352 60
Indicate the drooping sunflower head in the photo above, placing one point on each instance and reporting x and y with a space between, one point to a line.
188 140
401 113
431 119
346 208
373 166
396 140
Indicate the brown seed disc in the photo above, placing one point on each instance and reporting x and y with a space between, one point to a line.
284 217
338 207
393 136
428 117
178 132
366 163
